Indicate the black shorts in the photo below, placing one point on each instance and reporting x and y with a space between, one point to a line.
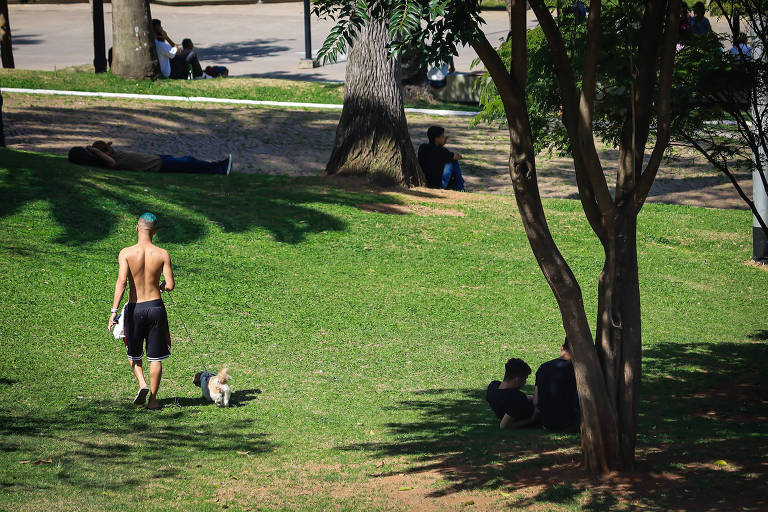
147 321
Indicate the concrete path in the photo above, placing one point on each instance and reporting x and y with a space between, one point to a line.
259 40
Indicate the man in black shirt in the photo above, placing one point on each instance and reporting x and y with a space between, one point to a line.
555 395
513 407
440 166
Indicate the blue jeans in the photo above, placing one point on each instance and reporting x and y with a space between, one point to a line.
452 177
192 165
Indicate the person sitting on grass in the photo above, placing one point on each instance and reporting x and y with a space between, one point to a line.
101 154
513 407
555 394
186 58
166 49
440 166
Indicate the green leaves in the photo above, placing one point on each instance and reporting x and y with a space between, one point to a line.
404 18
434 27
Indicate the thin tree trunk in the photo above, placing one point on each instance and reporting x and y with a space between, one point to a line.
618 336
2 127
631 343
6 43
133 49
99 50
372 136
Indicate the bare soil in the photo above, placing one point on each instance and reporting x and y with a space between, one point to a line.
298 143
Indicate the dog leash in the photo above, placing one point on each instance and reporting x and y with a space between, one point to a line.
170 299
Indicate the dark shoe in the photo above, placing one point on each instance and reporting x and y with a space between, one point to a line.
141 396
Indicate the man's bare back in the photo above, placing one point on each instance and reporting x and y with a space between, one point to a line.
145 262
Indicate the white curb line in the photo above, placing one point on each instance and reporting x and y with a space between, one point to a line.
201 99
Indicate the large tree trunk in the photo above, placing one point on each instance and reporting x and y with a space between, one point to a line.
372 136
99 50
133 48
6 50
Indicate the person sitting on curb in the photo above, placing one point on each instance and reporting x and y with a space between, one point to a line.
555 394
440 166
513 407
101 154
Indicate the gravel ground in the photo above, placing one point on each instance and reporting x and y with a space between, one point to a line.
298 143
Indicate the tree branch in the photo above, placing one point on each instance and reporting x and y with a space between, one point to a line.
518 41
723 167
589 77
587 153
664 111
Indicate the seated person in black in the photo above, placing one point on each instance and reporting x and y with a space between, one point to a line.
440 166
186 59
513 407
555 395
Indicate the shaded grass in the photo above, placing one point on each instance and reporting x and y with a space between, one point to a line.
262 89
371 338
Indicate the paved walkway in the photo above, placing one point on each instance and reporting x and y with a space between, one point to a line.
298 143
259 40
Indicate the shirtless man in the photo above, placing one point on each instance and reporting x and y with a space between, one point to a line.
145 316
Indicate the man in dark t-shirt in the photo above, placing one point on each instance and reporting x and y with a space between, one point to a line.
440 166
513 407
555 395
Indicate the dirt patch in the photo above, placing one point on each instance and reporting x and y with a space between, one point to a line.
299 143
755 264
404 209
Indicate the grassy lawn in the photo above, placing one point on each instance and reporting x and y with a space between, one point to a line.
360 344
493 4
262 89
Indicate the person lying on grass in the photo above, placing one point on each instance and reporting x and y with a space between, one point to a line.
102 154
513 407
145 318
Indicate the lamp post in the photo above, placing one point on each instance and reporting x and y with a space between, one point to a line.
307 61
759 193
99 52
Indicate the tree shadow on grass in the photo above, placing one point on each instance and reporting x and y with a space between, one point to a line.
114 446
88 204
702 403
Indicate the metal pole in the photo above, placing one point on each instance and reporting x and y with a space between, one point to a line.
99 52
759 239
307 33
759 194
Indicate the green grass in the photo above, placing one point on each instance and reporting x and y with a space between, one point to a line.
495 5
370 337
262 89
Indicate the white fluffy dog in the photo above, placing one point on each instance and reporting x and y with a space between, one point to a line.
215 387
